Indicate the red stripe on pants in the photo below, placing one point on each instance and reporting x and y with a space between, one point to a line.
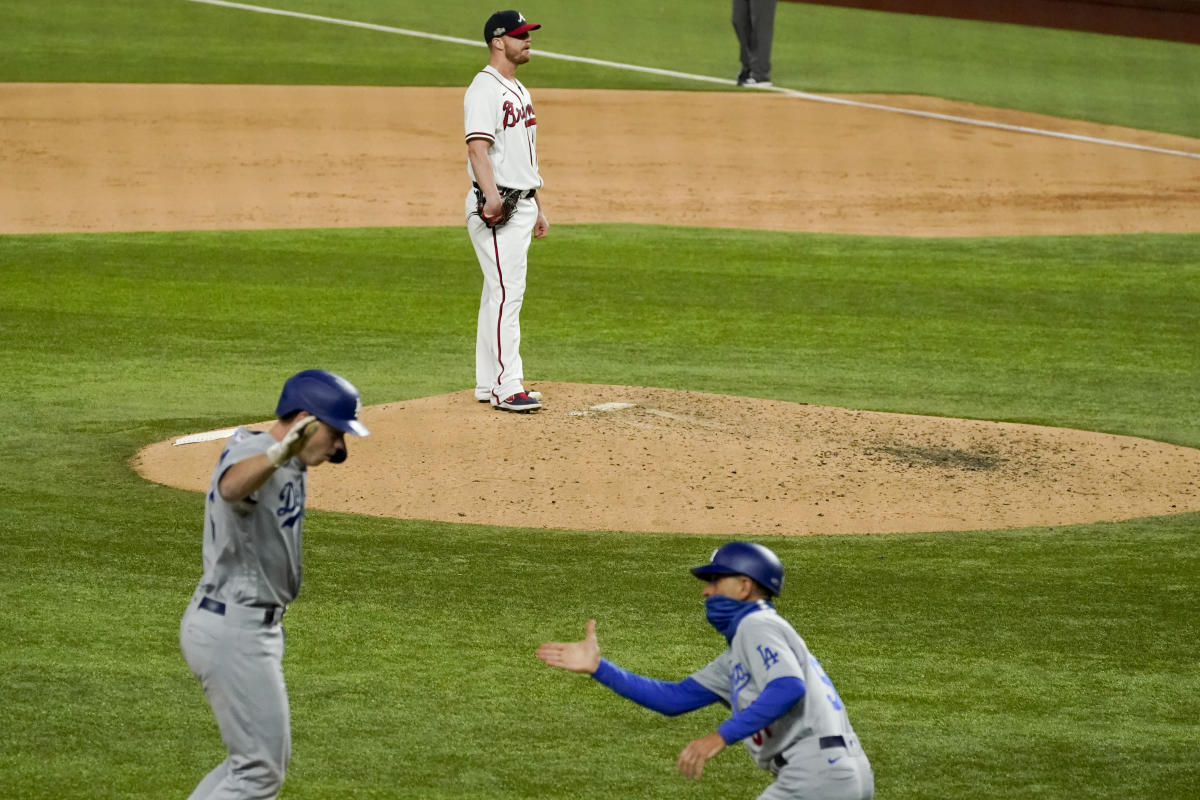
500 313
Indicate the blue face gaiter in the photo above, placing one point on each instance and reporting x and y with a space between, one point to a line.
724 613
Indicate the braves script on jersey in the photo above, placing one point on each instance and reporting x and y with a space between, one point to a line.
767 647
500 110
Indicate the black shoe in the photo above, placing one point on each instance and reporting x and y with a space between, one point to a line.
535 395
520 402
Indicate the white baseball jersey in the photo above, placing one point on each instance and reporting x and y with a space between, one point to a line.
766 647
500 110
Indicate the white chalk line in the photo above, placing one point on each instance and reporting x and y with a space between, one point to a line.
988 124
817 98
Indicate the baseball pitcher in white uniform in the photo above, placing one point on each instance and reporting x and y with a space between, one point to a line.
785 708
231 634
503 208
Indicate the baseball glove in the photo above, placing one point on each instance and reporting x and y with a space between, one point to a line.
508 199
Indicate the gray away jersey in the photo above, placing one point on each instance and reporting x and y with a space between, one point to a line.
252 547
766 647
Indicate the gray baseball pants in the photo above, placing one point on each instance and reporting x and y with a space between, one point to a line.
754 23
238 658
838 773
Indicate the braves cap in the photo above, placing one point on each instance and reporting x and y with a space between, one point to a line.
507 23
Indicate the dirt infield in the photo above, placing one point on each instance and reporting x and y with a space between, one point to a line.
101 157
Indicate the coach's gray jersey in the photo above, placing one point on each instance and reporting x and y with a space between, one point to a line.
766 647
252 547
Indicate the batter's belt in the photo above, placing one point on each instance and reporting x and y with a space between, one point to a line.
254 615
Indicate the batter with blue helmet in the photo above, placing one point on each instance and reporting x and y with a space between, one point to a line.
231 634
785 708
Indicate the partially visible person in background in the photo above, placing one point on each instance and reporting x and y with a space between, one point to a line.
754 22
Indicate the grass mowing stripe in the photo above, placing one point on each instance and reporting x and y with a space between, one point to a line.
1036 330
394 678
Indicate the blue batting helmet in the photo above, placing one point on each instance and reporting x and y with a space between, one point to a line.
744 558
328 397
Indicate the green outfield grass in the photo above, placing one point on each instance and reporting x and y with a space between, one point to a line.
1122 80
1042 663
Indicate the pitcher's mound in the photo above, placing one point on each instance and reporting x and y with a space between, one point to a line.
641 459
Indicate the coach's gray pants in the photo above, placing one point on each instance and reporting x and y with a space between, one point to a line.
835 773
239 662
754 23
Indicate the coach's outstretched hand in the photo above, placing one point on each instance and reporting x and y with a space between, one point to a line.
574 656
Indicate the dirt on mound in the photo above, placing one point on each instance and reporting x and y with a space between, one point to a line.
641 459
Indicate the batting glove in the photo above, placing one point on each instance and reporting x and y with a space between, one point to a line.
293 442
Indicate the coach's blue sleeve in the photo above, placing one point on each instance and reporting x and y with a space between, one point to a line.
777 699
664 697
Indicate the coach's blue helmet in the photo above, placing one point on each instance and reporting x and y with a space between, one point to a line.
745 558
328 397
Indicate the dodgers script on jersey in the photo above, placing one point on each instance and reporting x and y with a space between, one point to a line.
764 648
252 547
500 110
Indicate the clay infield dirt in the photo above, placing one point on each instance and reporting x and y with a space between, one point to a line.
108 157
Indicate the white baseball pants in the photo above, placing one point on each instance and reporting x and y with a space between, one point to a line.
503 258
